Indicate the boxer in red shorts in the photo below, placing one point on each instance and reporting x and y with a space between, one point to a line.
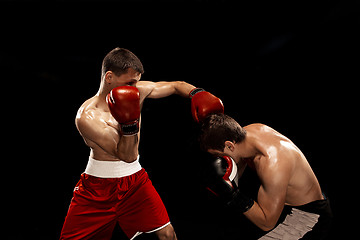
115 189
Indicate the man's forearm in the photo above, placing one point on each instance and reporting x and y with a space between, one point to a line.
127 149
183 88
256 215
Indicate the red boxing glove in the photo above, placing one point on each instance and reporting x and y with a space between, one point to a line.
124 105
203 104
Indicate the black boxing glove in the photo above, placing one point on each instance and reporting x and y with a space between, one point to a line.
223 182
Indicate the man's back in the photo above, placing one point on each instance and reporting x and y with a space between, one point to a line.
281 154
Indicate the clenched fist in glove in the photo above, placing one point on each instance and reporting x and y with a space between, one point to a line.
203 104
223 182
124 105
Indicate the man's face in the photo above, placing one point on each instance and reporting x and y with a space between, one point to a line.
130 78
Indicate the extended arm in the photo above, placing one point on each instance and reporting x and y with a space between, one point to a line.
203 103
164 89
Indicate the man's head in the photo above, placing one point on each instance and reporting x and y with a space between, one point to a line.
121 67
219 132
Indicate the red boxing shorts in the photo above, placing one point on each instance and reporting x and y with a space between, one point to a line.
99 203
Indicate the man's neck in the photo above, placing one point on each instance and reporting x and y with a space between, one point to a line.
249 152
101 95
246 150
103 91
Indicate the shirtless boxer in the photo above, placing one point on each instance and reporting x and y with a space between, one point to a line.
287 180
114 187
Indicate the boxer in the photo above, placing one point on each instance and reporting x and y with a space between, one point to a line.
287 180
115 189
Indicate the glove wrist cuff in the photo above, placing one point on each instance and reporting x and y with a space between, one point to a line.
240 202
129 129
195 91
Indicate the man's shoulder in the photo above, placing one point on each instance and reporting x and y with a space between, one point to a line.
258 127
88 112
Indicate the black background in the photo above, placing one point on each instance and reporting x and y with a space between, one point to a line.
293 66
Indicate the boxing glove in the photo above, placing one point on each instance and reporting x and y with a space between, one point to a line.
224 184
225 176
203 104
124 105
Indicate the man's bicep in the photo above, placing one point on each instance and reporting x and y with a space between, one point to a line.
271 200
272 193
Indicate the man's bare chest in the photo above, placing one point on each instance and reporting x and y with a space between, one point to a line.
108 120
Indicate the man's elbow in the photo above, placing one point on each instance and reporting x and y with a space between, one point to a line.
178 85
267 226
183 88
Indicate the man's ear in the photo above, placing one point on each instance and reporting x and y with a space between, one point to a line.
229 145
108 77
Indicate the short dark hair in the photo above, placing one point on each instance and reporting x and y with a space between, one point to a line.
119 60
218 128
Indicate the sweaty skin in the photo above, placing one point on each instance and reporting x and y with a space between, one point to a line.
285 174
100 130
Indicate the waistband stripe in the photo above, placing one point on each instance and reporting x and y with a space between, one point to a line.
112 169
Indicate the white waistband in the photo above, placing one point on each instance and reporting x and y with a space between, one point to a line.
111 169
